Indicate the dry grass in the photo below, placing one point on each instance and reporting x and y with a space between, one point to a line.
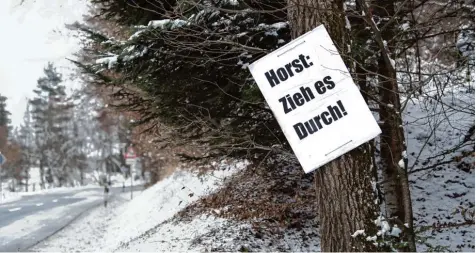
272 198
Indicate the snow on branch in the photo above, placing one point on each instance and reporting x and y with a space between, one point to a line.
110 61
167 24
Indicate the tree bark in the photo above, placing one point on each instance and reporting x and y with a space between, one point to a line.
345 196
392 145
346 202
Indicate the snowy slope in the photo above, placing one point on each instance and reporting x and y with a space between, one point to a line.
441 179
125 221
161 202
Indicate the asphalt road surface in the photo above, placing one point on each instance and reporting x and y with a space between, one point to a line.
47 222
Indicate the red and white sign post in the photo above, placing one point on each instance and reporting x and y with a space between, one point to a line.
131 157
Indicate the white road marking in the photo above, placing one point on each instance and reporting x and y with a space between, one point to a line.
55 200
39 204
14 209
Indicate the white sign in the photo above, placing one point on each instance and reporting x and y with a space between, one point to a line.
314 99
130 161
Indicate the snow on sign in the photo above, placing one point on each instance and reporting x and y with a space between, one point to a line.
311 93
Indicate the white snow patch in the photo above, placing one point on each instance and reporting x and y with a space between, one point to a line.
405 26
392 61
404 154
279 25
110 61
371 238
164 23
232 2
271 29
358 232
395 231
401 164
136 34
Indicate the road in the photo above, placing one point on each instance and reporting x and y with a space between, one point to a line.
33 218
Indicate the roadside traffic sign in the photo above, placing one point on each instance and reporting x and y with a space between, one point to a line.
130 161
130 154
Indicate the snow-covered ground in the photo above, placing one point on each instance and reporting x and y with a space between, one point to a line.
230 216
126 221
441 163
87 232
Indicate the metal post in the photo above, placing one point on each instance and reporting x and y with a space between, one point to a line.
132 166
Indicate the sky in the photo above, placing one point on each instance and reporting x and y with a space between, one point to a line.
31 35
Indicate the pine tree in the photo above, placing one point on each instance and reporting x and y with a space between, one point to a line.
195 80
51 112
26 140
4 122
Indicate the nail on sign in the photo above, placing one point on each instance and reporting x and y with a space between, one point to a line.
311 93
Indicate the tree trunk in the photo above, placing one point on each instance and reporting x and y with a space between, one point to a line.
346 202
392 146
345 196
42 173
27 179
81 175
